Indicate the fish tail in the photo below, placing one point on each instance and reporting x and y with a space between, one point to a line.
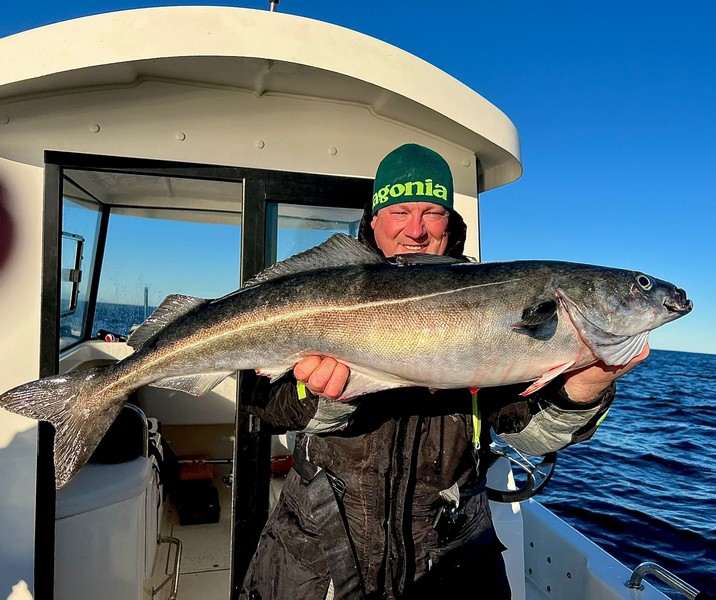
71 404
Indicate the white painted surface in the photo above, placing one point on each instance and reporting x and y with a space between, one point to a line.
269 56
21 206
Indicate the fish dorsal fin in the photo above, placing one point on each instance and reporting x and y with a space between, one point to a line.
337 251
171 308
420 258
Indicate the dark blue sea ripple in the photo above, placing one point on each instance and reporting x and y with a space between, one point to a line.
644 487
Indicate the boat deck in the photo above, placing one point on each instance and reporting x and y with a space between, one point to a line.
205 565
206 558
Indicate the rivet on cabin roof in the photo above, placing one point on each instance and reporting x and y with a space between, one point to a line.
4 119
181 136
466 162
333 151
260 144
94 128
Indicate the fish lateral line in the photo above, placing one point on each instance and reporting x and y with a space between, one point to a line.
309 311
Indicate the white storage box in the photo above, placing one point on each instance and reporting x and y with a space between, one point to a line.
107 532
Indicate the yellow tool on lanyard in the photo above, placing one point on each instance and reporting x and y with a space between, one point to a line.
476 422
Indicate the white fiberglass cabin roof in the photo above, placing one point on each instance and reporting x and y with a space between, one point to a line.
218 77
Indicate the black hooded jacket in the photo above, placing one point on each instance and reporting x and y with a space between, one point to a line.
394 452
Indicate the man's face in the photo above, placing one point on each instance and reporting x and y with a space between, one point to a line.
411 227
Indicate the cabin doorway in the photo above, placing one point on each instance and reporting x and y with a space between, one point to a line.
119 235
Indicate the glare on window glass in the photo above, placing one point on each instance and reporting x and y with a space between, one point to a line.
302 227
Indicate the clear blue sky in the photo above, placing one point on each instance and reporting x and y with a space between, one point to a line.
615 103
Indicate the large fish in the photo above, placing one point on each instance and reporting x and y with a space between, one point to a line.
423 321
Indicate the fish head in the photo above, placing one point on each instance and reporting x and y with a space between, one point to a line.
614 310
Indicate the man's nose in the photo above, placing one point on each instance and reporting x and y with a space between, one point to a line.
415 227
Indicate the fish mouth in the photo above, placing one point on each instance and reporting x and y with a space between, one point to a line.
678 302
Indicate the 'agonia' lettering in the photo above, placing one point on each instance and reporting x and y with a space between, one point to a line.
410 188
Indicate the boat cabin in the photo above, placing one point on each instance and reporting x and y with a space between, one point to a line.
182 150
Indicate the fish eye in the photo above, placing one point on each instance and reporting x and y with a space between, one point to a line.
644 282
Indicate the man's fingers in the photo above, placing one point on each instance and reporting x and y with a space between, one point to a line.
322 375
305 367
337 382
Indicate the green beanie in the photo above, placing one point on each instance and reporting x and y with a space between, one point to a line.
412 173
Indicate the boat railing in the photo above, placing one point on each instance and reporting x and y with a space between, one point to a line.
667 577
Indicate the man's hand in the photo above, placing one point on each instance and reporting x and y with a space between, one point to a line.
322 375
585 385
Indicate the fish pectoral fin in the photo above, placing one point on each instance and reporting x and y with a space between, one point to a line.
171 308
547 377
275 372
196 385
363 382
537 315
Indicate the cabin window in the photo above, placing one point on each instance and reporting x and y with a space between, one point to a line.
147 258
131 239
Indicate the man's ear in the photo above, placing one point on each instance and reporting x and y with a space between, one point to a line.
372 223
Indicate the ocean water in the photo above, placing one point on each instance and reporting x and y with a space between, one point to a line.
644 487
118 318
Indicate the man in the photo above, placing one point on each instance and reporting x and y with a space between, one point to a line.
387 498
